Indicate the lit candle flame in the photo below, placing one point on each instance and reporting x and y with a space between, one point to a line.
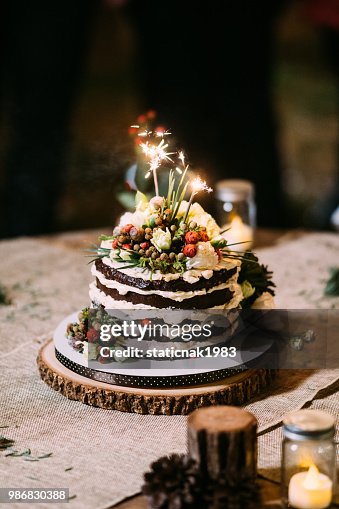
312 479
311 489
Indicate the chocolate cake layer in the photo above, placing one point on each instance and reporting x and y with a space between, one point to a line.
216 298
219 277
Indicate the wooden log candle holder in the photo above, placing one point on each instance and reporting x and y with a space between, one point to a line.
222 440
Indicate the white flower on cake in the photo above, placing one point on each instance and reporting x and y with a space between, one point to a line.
161 239
156 202
144 210
147 207
206 257
137 219
201 217
125 255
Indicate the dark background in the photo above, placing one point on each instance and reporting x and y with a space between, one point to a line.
250 90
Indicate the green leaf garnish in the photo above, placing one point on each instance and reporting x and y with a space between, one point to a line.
5 443
4 297
257 275
106 237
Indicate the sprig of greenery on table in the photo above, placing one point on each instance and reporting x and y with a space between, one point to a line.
5 443
27 455
4 297
332 285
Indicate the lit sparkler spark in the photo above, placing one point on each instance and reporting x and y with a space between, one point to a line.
156 152
156 155
197 185
145 133
161 134
181 157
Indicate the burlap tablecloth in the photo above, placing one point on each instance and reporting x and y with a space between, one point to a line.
101 455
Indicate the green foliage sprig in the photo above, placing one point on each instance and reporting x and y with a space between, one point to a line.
332 285
257 275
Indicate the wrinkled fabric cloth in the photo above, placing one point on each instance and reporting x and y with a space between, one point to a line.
101 455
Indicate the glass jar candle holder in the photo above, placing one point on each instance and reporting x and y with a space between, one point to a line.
236 212
308 460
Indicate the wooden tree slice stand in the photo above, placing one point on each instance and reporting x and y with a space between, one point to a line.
235 390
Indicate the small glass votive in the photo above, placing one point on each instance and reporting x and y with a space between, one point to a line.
236 212
308 460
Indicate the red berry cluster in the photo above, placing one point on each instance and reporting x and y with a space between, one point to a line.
92 335
132 238
192 237
184 240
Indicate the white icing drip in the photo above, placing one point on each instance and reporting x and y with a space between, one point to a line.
178 296
237 296
108 302
192 276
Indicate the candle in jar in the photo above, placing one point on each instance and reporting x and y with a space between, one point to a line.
310 490
238 231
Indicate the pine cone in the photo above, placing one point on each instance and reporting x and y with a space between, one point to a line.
223 496
174 483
